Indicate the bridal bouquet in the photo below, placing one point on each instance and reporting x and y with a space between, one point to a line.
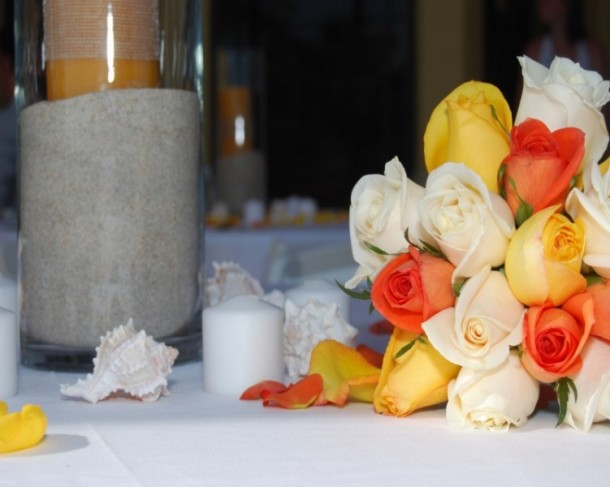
496 274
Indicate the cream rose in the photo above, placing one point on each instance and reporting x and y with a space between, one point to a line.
471 225
565 95
486 321
591 209
493 399
382 208
593 386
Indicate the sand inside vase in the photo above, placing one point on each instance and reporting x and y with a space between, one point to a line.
109 220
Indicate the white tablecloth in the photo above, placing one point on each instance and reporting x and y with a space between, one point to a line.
195 438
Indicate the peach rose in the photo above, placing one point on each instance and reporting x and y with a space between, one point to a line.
411 288
470 224
553 338
492 399
486 321
539 169
544 258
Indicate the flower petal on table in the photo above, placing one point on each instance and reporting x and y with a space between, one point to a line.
372 356
299 395
346 373
23 429
382 327
262 389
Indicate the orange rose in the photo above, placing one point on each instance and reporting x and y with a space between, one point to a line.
600 293
411 288
554 337
540 167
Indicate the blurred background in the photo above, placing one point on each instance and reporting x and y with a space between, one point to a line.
318 93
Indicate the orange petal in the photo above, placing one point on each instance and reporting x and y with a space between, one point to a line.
346 373
300 395
262 389
373 357
383 327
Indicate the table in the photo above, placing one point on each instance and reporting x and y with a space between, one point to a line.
195 438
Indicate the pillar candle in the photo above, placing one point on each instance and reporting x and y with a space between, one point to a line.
97 45
8 353
242 344
324 291
8 293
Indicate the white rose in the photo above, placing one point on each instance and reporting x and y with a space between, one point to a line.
493 399
471 225
485 322
593 386
592 208
382 208
565 95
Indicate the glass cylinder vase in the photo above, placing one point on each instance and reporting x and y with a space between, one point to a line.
109 96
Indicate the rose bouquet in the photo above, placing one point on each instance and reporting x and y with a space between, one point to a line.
495 276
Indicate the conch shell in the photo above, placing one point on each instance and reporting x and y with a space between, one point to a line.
127 362
229 280
306 326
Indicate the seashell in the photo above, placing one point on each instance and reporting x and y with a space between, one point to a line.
276 298
305 326
127 362
229 280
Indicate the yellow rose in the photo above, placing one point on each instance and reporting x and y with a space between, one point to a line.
462 128
415 380
544 258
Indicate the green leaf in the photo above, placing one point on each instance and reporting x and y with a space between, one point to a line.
371 308
409 346
457 286
562 389
573 182
363 294
494 114
376 249
594 279
425 247
501 173
525 210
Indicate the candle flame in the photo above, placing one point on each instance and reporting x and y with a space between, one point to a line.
110 44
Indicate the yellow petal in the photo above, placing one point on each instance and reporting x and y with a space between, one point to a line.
23 429
564 244
477 98
3 408
544 258
346 373
476 141
525 267
417 379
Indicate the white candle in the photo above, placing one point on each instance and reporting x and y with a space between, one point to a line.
324 291
8 293
242 344
8 353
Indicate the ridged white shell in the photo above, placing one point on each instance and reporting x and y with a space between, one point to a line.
229 280
127 362
306 326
